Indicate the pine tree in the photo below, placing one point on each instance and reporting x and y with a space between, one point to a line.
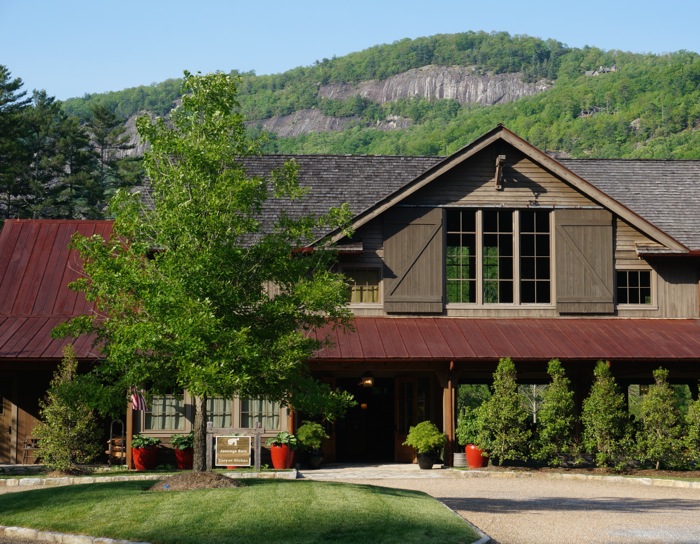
504 433
14 155
556 418
658 438
604 418
68 432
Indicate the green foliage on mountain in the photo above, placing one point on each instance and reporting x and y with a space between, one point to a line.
649 107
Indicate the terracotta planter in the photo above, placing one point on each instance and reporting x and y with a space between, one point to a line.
282 456
184 458
475 457
145 458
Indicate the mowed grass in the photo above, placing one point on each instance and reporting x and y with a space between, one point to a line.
262 511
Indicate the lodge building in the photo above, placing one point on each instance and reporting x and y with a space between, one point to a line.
498 250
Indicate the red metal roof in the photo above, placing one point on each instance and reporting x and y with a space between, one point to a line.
464 339
36 267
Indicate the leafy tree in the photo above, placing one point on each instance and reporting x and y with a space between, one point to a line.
68 431
503 426
555 426
198 292
604 418
658 439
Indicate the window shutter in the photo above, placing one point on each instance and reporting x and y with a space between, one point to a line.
413 260
584 261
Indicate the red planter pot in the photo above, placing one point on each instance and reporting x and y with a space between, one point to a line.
184 458
145 458
475 457
282 456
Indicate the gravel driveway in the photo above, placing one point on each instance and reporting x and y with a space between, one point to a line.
539 510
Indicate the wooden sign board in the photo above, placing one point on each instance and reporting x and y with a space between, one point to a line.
233 451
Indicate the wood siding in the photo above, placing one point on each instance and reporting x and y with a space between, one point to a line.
413 260
627 238
524 184
584 261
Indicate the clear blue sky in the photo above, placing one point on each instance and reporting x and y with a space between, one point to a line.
73 47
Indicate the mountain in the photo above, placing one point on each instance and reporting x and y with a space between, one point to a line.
433 95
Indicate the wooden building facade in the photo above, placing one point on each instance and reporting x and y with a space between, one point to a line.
496 251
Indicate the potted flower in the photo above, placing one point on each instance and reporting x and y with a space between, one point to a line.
144 451
467 431
282 447
184 450
311 435
428 441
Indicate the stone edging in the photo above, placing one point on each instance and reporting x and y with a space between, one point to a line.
21 533
656 482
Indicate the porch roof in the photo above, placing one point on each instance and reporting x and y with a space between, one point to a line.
467 339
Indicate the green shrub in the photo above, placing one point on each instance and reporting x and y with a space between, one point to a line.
183 441
311 435
691 440
658 439
425 438
143 441
555 425
605 421
68 432
467 430
503 431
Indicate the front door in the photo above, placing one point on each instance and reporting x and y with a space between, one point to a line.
413 405
366 433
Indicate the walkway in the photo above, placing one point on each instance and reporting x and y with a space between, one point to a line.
521 508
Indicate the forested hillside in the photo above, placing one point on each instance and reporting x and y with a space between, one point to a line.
558 98
428 96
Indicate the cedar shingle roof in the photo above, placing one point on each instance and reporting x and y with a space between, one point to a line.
665 193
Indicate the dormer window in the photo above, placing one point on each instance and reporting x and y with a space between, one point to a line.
498 256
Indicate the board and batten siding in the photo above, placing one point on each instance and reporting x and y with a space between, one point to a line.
413 260
584 261
525 184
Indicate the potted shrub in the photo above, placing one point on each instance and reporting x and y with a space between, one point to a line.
144 451
428 442
311 435
282 447
184 450
467 431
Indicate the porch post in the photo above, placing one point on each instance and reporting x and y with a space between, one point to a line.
448 417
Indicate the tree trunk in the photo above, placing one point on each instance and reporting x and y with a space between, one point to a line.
200 434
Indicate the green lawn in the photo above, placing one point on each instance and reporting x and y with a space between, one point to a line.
262 511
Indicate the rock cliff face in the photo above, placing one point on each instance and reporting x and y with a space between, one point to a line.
459 83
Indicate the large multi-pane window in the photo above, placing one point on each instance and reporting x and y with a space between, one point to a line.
167 413
498 256
264 413
633 286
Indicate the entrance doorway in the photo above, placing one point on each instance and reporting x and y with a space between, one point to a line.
366 433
